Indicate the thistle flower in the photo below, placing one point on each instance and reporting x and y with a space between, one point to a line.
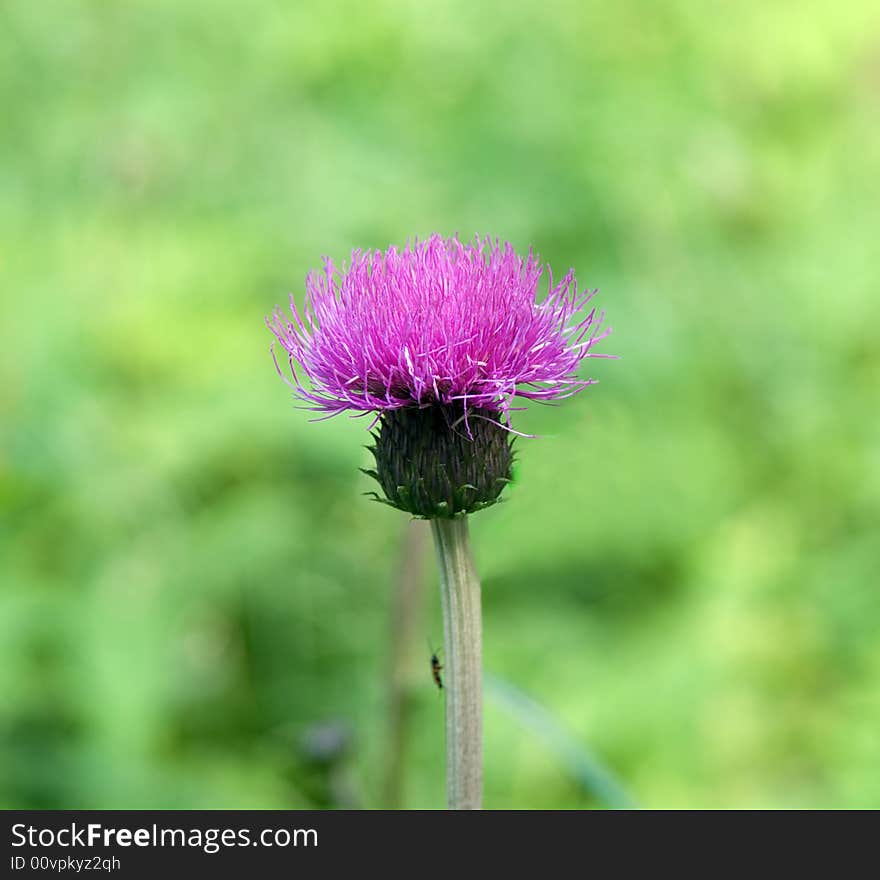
438 340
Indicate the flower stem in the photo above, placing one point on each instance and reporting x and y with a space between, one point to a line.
406 617
463 649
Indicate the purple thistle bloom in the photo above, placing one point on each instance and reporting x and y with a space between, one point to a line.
439 322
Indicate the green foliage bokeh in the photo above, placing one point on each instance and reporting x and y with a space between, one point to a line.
685 572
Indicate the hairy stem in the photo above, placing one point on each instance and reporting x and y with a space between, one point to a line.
463 648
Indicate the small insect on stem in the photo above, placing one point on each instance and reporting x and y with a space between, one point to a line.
436 667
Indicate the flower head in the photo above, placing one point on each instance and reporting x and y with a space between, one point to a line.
440 333
438 322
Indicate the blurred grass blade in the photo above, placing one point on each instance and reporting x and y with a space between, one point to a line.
589 771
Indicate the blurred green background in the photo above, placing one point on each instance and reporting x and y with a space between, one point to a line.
195 598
